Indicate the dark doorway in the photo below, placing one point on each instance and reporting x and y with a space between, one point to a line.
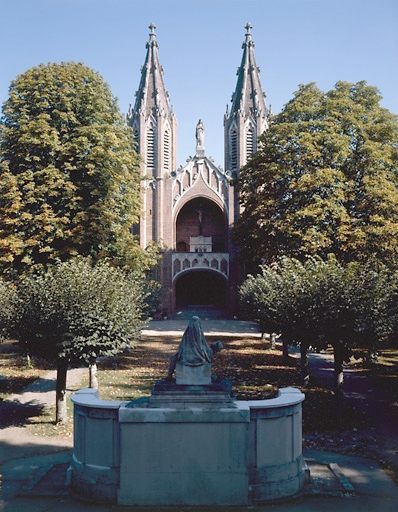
201 288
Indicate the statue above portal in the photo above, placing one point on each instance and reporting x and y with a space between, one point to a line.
192 361
200 137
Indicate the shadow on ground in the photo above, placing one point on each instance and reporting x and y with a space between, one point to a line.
16 414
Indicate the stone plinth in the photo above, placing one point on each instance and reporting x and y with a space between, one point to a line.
276 464
96 446
195 375
185 396
183 457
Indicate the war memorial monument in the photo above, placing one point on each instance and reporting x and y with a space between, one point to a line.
190 442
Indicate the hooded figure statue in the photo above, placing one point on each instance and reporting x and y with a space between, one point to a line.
194 350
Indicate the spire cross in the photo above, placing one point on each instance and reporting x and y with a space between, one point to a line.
152 28
248 28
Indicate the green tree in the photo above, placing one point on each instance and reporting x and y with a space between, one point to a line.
76 311
8 307
317 302
324 179
69 176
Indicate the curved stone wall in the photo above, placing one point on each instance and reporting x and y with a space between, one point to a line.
134 454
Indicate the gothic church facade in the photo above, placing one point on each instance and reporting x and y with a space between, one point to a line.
189 210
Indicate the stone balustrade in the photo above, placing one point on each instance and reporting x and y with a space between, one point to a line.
217 261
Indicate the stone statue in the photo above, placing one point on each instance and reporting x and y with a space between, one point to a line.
200 135
200 219
194 350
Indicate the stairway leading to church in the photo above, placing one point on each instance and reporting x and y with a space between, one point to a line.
203 312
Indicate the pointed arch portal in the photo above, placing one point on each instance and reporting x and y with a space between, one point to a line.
201 216
201 288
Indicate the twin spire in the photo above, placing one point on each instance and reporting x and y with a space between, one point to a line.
248 101
248 98
152 96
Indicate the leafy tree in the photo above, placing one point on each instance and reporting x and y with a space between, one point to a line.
76 311
324 180
8 306
319 302
374 301
69 176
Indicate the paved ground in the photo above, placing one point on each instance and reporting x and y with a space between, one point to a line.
17 442
338 482
378 437
34 470
222 328
42 391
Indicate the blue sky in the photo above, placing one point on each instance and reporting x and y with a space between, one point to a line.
297 41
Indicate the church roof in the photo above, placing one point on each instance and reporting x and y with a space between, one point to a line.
152 95
248 98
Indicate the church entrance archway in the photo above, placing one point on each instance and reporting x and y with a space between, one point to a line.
201 289
201 217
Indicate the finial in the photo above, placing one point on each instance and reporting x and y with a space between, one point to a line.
248 28
152 28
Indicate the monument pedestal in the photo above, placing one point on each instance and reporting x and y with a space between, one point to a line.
187 453
184 456
185 396
189 443
193 375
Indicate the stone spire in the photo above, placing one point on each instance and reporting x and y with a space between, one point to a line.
155 131
152 96
248 116
245 121
248 98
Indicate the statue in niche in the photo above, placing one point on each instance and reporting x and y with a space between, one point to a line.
200 219
200 135
193 350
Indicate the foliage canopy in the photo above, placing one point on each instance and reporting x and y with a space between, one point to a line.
8 306
319 302
324 179
69 177
79 311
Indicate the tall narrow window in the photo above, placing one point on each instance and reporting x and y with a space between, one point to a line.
249 143
150 148
234 149
136 135
166 150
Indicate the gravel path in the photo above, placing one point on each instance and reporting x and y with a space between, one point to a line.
42 391
17 442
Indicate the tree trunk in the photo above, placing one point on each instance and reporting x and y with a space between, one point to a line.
338 349
272 340
28 361
60 394
92 374
371 357
285 349
304 366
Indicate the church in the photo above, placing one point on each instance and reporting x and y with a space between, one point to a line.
189 210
